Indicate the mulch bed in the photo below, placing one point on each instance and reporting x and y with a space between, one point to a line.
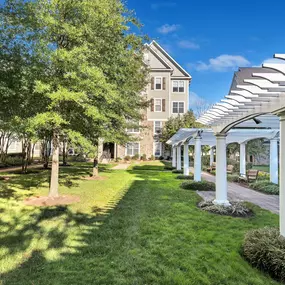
5 178
94 178
44 201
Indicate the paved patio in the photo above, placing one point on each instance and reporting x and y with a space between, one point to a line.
237 192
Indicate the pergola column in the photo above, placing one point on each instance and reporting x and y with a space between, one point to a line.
221 171
274 161
186 159
178 160
211 156
282 176
174 153
197 161
242 159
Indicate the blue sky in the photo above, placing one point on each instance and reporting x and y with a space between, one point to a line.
210 39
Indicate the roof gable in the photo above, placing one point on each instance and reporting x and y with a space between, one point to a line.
178 71
155 61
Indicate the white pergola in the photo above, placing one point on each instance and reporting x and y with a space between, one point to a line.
254 93
200 137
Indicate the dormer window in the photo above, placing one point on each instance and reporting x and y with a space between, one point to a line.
178 86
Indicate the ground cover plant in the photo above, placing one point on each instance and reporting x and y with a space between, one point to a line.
186 177
177 171
235 209
265 186
136 227
265 249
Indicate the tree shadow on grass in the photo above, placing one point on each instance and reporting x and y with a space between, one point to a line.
108 246
22 185
96 235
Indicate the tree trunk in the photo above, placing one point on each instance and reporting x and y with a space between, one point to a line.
28 154
64 153
53 191
24 153
95 167
33 152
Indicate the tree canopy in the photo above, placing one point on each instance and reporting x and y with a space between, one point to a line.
173 124
84 67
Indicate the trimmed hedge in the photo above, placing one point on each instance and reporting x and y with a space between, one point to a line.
265 249
185 177
265 187
177 171
169 168
233 178
201 186
236 209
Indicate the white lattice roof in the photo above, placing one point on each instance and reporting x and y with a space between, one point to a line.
254 92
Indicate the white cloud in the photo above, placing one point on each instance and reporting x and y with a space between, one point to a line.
273 60
222 63
155 6
166 29
270 60
188 45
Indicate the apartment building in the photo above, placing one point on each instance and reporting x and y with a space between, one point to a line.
168 92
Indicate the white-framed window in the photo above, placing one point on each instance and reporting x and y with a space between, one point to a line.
157 127
178 86
13 145
178 107
132 148
157 105
157 149
133 130
158 83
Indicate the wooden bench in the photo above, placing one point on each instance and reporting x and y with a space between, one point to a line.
230 169
251 175
212 167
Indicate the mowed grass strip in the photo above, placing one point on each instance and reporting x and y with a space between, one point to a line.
149 232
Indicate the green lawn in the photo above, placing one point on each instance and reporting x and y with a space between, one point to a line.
264 168
137 227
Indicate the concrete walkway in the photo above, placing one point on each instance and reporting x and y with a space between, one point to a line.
237 192
121 166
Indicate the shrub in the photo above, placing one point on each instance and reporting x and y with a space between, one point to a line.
213 172
263 175
127 158
169 167
205 160
185 177
236 209
78 158
205 168
177 171
265 187
136 157
249 165
152 157
143 157
161 158
118 159
233 178
12 161
265 249
201 185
